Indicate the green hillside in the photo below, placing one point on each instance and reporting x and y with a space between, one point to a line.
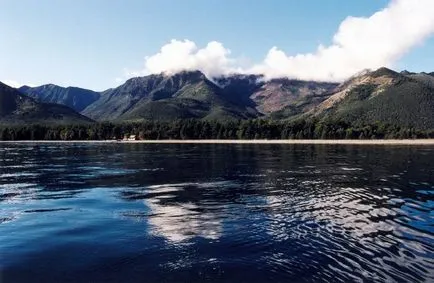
387 97
180 96
16 108
73 97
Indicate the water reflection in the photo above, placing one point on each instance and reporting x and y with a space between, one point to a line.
216 213
179 223
173 216
359 229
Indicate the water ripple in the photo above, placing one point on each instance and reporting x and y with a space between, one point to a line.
217 213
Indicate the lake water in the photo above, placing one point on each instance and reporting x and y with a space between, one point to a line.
216 213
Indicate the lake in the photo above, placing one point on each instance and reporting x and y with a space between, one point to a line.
216 213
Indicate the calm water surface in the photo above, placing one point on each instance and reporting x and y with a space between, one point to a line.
216 213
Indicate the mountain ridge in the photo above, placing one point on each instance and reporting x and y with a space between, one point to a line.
17 108
382 95
73 97
139 98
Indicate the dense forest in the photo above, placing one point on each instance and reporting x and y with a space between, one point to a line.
201 129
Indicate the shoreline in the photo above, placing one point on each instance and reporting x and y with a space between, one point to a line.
306 142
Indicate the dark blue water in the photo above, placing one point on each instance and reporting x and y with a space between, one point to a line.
216 213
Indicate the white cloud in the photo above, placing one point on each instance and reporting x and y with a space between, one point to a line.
360 43
176 56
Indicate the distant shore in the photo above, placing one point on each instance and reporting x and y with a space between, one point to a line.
324 142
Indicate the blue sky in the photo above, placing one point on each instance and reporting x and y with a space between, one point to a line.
97 44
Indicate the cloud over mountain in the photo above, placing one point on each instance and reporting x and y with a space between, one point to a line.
178 55
359 43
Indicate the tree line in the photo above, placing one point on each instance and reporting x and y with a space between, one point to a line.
202 129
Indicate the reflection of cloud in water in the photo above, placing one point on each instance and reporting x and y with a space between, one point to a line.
336 211
181 219
316 201
352 225
179 223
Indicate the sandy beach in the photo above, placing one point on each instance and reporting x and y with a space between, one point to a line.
319 142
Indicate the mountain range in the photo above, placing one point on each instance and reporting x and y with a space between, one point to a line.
73 97
17 108
383 95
